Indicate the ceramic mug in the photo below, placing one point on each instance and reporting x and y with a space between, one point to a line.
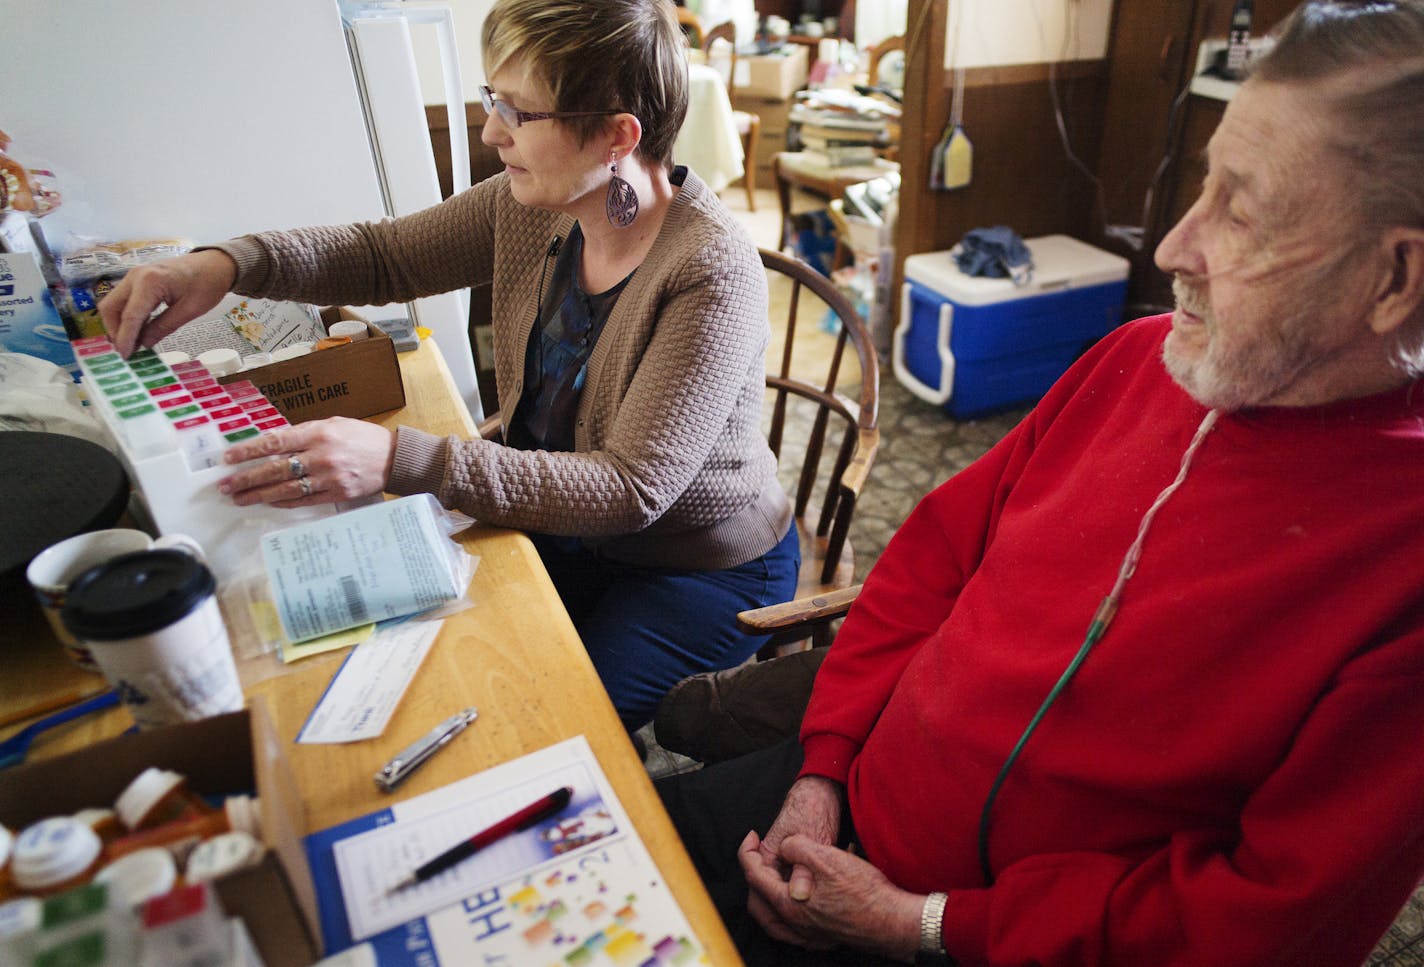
56 567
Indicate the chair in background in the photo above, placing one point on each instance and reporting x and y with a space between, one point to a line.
835 422
829 420
715 716
748 124
878 53
691 26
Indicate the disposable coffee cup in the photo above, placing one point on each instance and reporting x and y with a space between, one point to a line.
152 622
54 568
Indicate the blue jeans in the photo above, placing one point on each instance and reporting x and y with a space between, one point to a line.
647 628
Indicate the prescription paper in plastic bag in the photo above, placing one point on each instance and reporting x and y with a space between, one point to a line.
387 560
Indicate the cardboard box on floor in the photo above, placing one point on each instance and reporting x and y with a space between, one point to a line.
357 380
775 75
227 755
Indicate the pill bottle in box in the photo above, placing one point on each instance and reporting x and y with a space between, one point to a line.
974 345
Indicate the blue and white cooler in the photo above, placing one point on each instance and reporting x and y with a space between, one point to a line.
973 345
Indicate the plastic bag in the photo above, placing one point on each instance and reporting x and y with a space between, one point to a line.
388 560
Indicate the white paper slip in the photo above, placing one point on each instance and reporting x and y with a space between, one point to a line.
386 560
366 689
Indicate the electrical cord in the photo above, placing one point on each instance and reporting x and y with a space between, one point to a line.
1103 617
1134 236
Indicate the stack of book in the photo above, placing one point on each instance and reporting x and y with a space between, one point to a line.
837 134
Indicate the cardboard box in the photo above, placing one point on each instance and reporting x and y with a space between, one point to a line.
358 380
776 75
29 322
774 113
227 755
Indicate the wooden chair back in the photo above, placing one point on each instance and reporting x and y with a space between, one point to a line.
812 418
878 52
725 65
691 26
723 59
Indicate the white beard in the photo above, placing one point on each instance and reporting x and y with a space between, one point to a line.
1233 374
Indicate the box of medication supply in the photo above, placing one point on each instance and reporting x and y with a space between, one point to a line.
356 380
974 344
234 754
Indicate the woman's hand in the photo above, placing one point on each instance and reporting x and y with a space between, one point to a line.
313 463
848 902
188 285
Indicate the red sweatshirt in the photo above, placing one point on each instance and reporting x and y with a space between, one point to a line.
1236 774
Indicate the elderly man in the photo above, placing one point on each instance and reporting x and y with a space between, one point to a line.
1145 685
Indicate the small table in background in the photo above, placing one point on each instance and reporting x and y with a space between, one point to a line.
796 168
708 142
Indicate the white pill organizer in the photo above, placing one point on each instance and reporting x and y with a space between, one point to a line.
387 560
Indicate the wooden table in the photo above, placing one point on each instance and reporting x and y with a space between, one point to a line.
514 655
794 168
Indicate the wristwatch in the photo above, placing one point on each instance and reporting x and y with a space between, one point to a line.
932 952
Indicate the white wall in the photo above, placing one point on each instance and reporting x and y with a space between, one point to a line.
993 33
999 32
877 19
469 15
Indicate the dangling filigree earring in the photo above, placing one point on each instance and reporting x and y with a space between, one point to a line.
622 202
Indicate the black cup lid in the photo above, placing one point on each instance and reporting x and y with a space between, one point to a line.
135 594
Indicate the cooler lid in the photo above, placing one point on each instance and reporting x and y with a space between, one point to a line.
1059 263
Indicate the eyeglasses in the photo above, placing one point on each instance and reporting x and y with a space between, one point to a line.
513 117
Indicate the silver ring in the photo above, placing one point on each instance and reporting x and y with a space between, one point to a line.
294 466
305 483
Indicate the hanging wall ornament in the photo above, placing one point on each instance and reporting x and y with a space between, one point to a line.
622 202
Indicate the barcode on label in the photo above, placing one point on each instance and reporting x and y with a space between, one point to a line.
354 602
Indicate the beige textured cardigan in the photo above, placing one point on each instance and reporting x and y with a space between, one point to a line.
670 466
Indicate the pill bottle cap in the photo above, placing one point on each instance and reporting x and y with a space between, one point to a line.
148 788
136 594
19 916
139 876
243 814
221 362
105 822
349 327
221 855
52 851
291 352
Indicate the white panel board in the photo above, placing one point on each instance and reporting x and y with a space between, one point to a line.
200 118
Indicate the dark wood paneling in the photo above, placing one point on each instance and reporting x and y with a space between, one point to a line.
1022 175
484 160
1153 54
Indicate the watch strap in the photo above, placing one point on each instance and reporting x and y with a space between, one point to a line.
932 923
